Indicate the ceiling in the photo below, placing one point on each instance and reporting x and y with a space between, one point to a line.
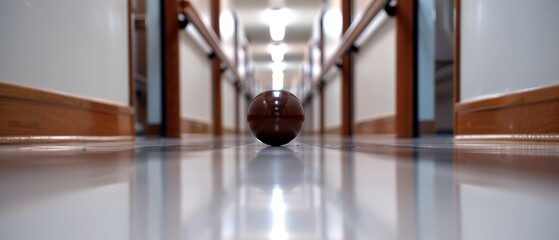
297 34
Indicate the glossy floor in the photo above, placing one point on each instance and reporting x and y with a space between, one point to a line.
235 188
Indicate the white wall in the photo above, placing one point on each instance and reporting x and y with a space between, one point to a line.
507 46
243 116
76 47
332 102
195 80
204 8
359 7
228 95
375 74
316 112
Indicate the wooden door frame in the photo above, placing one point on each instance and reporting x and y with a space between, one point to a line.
457 22
216 75
171 126
171 72
347 77
406 69
131 26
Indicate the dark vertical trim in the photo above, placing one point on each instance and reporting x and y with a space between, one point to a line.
347 96
457 21
216 75
415 101
321 129
236 42
406 40
171 75
131 90
237 111
347 78
321 40
237 89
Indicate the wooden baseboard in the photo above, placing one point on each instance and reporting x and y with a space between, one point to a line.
427 127
33 115
153 130
380 125
192 126
529 115
227 130
333 130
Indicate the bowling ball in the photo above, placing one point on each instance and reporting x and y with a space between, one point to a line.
275 117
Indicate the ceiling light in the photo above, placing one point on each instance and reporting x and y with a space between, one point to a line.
226 24
333 23
277 51
278 19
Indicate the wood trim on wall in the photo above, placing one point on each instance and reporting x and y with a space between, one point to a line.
527 115
238 48
216 75
427 127
322 119
347 78
131 23
333 130
457 29
405 70
321 102
378 125
192 126
171 79
237 110
153 130
33 115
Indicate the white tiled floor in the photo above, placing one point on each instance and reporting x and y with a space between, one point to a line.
235 188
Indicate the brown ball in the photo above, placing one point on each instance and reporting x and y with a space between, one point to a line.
275 117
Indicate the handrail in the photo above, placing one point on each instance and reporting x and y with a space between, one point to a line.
186 8
349 37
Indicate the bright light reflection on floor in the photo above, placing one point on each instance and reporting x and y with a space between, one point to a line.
278 214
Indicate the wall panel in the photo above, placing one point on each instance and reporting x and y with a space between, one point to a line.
332 104
375 75
195 81
75 47
507 46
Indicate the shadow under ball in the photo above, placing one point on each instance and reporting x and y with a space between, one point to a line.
275 117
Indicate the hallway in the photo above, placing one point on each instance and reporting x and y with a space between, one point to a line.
202 187
421 119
